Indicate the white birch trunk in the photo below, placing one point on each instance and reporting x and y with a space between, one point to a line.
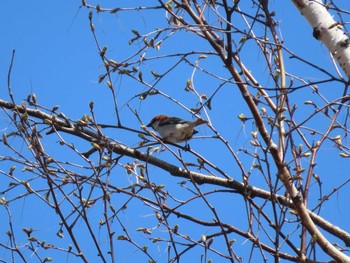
327 30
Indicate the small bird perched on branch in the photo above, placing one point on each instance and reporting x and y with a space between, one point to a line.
174 130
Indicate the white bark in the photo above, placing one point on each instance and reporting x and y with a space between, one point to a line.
327 30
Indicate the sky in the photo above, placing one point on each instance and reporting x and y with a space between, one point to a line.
56 58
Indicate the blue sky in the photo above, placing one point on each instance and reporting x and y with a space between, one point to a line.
57 59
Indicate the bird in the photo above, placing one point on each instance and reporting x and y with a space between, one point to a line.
173 129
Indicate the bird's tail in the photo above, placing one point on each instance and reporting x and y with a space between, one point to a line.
199 122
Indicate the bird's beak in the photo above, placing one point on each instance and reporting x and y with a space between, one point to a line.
149 124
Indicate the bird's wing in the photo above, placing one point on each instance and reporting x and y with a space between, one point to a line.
172 120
